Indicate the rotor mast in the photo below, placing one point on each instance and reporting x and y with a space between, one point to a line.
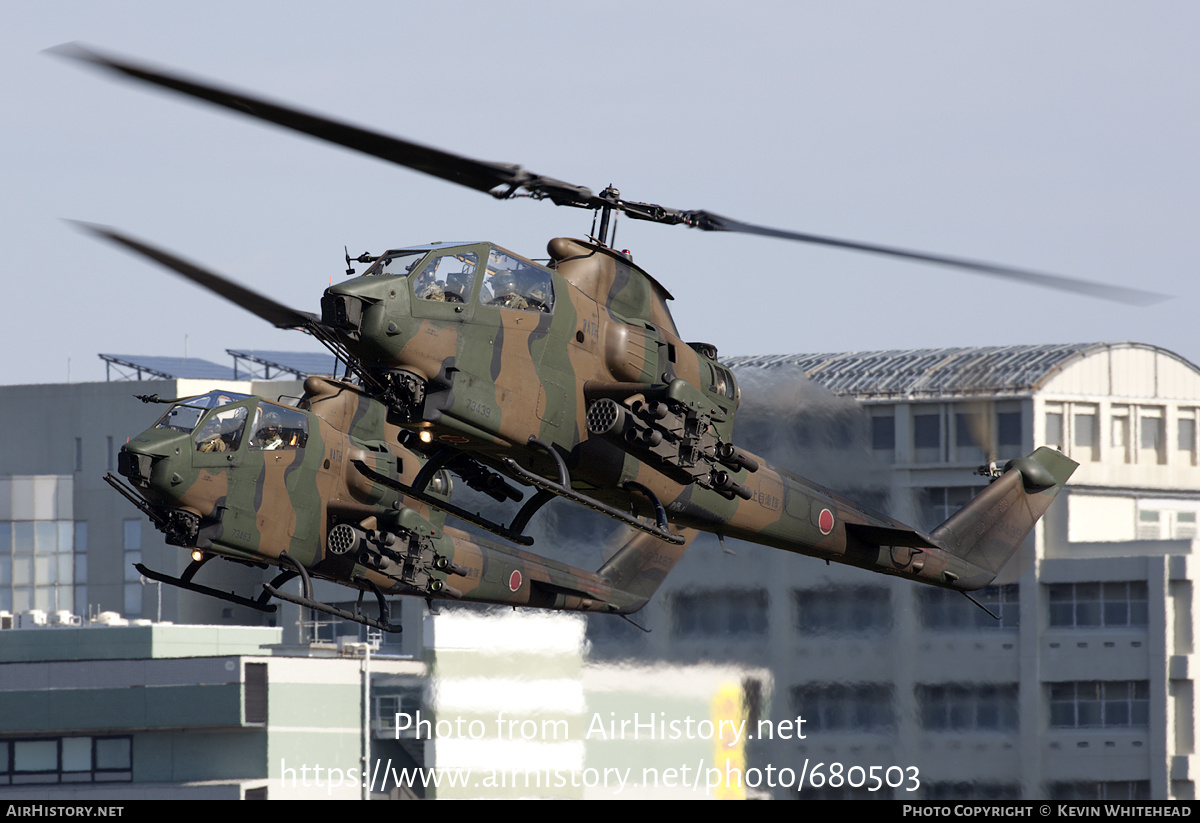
611 198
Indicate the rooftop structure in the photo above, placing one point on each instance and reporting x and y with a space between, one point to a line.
970 371
142 367
247 365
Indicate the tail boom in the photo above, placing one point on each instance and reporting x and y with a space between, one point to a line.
965 552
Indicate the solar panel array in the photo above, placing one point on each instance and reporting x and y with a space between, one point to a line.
147 367
990 370
276 365
247 365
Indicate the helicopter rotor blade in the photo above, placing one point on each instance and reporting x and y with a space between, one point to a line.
707 221
500 179
503 180
273 312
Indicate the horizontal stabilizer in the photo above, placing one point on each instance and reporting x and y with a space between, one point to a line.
883 536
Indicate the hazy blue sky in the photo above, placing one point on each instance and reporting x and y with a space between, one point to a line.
1059 136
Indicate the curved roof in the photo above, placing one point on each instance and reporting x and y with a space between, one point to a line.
976 370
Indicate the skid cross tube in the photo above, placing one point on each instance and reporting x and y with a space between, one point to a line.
384 623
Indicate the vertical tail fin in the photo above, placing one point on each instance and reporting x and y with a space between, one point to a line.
986 532
638 568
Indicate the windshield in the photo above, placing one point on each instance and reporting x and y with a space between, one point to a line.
396 263
184 416
448 274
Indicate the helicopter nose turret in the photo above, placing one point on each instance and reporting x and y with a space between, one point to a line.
358 306
342 311
367 311
146 461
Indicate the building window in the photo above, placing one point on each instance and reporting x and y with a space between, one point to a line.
840 707
1105 790
956 707
883 433
1054 430
1185 439
1120 432
1152 435
1157 520
1100 704
732 613
846 792
940 502
1008 434
133 578
1093 605
972 791
1149 525
66 760
404 701
927 437
255 704
968 428
857 610
36 547
1086 438
132 535
943 610
1185 526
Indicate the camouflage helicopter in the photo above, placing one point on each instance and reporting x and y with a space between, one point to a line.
572 378
311 490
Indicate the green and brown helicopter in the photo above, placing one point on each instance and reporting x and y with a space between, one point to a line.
571 379
311 489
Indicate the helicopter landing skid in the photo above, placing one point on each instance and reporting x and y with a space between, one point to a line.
185 582
562 488
383 623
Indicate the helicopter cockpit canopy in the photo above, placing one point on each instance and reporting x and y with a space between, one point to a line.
448 273
185 415
221 429
512 282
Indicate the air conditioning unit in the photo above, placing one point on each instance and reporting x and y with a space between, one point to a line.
31 618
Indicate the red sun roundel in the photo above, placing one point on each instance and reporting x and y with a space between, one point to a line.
825 521
514 581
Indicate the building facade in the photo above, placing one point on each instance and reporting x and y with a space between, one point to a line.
111 711
1081 689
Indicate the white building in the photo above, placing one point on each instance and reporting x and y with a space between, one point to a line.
1084 686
